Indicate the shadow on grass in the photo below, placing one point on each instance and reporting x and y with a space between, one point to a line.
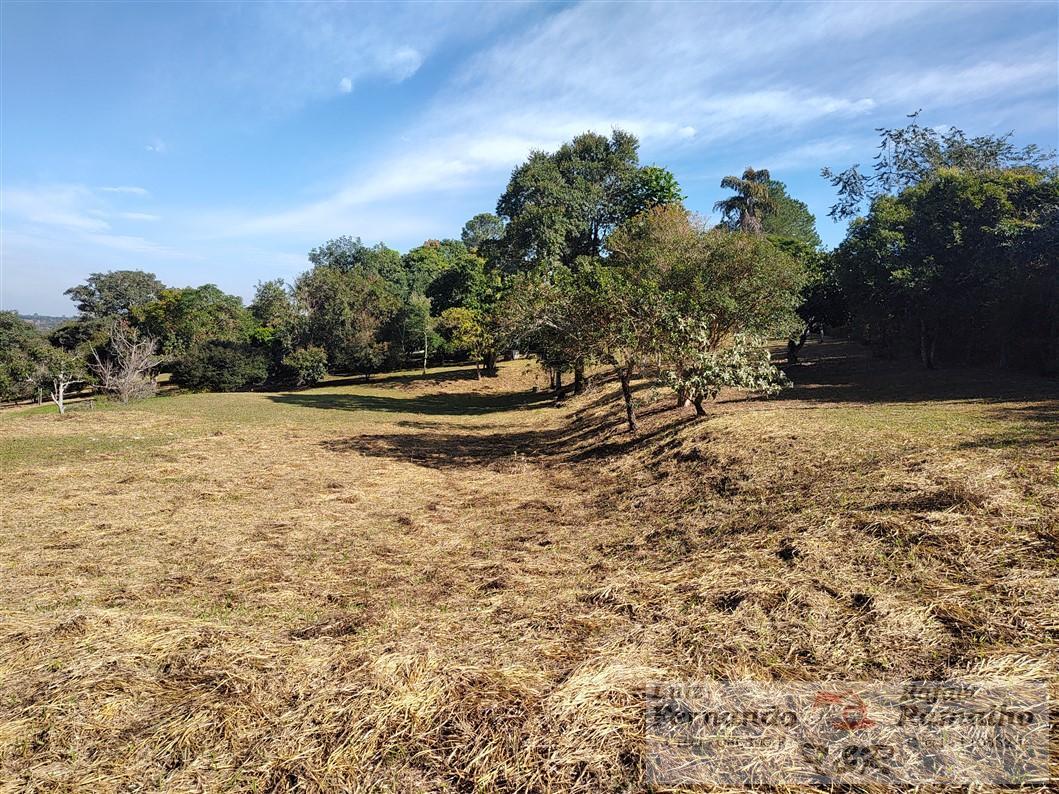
435 404
1026 426
579 443
837 371
452 375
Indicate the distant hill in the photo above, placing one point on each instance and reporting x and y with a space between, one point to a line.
45 322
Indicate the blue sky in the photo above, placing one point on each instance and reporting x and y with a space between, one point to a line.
220 142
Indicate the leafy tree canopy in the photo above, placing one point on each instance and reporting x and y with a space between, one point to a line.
482 228
114 293
348 254
561 206
913 153
790 218
21 347
183 318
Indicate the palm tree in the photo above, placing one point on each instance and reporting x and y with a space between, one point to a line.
751 202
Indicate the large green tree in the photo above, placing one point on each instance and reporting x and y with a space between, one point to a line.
180 319
790 218
346 311
560 206
21 346
948 268
699 290
115 293
483 228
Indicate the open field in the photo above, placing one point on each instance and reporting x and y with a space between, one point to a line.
424 584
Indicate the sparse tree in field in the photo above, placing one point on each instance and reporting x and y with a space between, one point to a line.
419 322
752 202
628 317
61 370
126 369
743 363
718 284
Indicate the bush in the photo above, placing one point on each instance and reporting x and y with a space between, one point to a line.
307 366
222 366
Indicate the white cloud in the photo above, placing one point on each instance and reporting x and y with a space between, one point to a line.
132 244
157 145
345 85
599 67
128 189
75 213
962 84
815 154
404 63
70 207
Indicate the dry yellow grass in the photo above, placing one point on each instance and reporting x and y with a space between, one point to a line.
447 585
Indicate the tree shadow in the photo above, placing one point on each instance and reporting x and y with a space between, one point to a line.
434 404
844 372
465 373
1028 426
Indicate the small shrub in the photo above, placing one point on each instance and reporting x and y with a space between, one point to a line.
307 366
222 366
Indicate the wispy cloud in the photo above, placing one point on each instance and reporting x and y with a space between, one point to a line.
70 207
967 83
280 56
157 145
75 212
595 67
126 189
133 244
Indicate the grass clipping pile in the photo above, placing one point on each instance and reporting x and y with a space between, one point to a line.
773 541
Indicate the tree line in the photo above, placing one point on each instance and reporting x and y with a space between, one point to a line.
592 259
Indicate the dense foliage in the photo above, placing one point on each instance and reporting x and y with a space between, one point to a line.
219 365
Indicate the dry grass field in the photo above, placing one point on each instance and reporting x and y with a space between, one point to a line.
440 584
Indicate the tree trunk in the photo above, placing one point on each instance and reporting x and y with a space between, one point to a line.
794 347
424 348
58 395
927 345
490 362
579 377
626 393
682 398
699 410
477 370
558 382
